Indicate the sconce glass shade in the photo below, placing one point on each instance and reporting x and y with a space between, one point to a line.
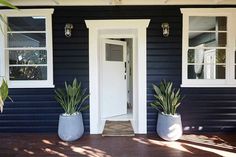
68 29
166 29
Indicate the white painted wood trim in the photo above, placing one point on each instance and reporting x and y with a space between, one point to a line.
49 45
208 86
94 82
2 50
139 87
23 12
142 82
47 13
207 11
116 2
229 80
117 24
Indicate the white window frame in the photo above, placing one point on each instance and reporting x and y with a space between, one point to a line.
4 59
229 80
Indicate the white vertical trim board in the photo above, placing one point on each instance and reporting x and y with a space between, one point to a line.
2 54
135 29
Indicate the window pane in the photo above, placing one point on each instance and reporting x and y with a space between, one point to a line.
28 72
28 57
27 23
220 56
26 40
208 39
201 55
191 56
114 52
201 23
207 71
220 71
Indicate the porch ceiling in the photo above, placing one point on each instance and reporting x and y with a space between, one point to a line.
119 2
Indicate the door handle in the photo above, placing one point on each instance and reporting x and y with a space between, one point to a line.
125 77
125 67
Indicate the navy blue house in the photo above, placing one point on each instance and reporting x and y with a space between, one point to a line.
208 106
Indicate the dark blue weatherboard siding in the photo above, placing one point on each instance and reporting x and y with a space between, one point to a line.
203 109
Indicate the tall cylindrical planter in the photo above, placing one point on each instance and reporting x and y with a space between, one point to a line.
70 127
169 127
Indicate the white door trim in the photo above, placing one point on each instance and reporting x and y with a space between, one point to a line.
136 29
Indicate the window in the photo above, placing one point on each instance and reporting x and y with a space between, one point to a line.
27 48
114 52
208 47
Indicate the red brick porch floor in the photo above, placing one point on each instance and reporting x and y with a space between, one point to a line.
49 145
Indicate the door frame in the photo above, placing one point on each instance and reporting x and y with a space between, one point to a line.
128 28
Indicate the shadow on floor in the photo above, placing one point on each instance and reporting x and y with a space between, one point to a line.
43 145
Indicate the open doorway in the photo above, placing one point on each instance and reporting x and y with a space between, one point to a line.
116 79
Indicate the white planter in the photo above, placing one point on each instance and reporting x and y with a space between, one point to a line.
70 127
169 127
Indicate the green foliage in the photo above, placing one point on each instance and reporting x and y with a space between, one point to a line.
167 98
72 98
7 4
3 94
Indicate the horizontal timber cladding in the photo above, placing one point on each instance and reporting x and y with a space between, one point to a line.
203 109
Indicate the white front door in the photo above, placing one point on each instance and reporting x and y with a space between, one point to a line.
113 78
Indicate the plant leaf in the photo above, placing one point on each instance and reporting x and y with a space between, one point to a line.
166 97
72 98
7 4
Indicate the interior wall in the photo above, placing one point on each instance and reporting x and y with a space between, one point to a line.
130 71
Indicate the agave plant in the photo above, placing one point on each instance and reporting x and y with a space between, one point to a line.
3 94
168 99
72 98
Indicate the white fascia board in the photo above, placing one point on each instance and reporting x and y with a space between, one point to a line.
32 12
121 2
203 11
113 24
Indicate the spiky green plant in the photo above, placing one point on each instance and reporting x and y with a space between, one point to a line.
167 98
72 98
3 94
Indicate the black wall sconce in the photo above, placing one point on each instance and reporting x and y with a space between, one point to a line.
68 29
166 29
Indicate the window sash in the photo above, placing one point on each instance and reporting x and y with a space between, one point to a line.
4 58
230 64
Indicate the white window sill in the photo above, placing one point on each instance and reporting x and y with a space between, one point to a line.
208 86
32 86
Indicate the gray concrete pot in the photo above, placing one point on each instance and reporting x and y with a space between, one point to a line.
70 127
169 127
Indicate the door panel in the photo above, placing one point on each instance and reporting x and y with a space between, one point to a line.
113 78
